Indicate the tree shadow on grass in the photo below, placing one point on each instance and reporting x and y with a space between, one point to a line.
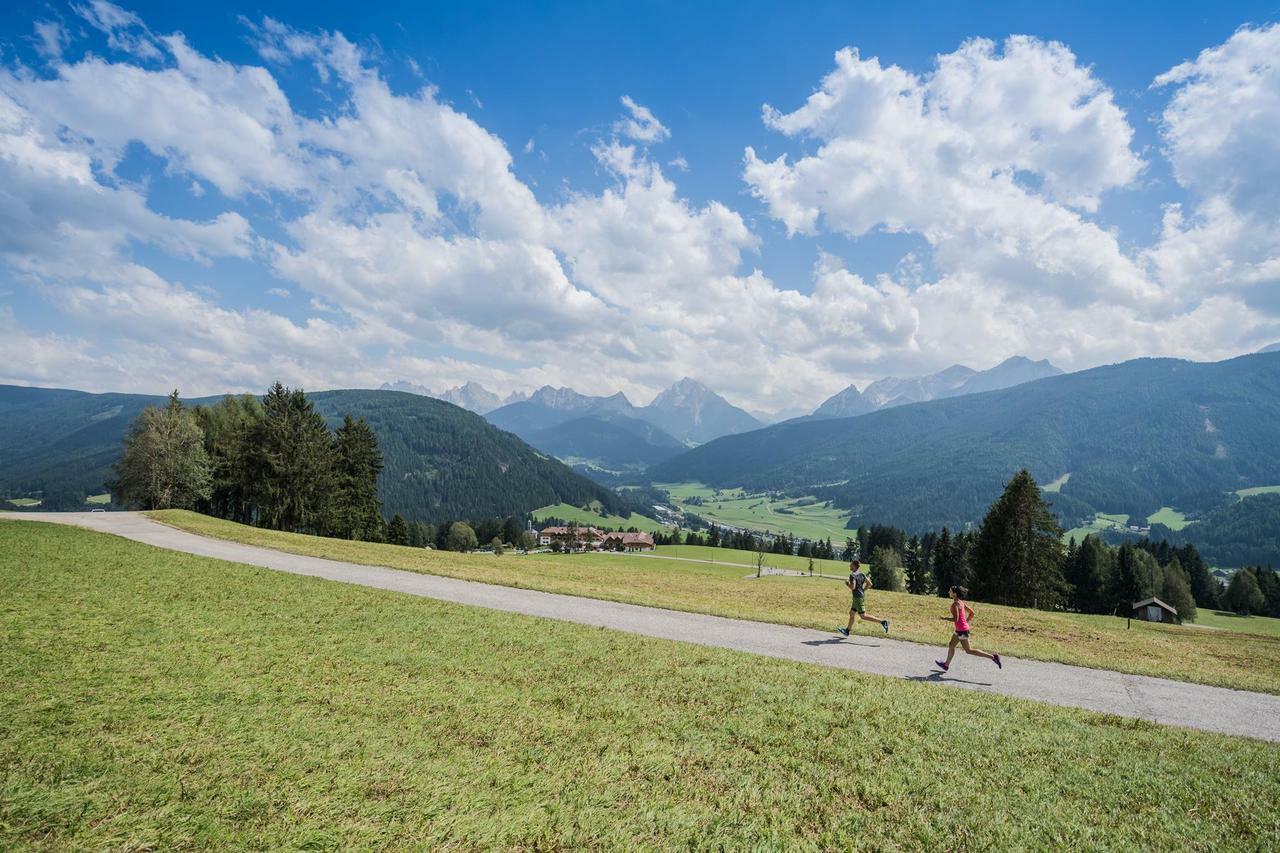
942 678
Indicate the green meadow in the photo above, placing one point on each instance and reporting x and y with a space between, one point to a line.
1101 522
1056 485
99 500
593 516
1169 517
1257 490
1263 625
24 502
1224 658
156 700
726 562
748 558
805 518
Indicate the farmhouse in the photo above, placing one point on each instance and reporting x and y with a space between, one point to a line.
628 542
1154 610
572 538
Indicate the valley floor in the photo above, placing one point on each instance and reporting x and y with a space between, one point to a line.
156 699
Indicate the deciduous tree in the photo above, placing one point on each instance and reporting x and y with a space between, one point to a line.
164 463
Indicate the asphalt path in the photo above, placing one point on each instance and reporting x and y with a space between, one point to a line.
1176 703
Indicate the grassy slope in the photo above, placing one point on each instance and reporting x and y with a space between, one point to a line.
1261 625
24 502
1056 486
1101 522
586 517
1257 490
1169 517
1211 657
757 512
159 700
748 558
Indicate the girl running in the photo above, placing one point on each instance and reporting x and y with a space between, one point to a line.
961 613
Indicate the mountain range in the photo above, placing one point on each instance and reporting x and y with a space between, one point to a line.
472 396
955 381
608 436
1126 438
440 461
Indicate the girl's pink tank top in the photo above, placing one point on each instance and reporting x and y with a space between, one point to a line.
962 622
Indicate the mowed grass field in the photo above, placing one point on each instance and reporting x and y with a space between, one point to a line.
800 517
1262 625
748 558
595 518
24 502
156 700
1224 658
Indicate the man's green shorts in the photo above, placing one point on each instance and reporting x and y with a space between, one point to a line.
859 604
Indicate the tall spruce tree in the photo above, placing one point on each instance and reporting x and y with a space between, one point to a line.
1204 586
942 549
232 430
1017 557
397 531
919 577
298 456
164 463
355 512
1136 576
1089 575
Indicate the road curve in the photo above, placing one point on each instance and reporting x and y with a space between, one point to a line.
1177 703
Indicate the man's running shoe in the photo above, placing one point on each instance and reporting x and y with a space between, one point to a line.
885 625
996 658
844 632
942 665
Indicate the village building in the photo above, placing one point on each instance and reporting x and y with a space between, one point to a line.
571 538
592 538
630 542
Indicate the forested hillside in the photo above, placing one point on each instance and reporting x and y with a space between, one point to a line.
613 441
1241 533
61 443
441 462
1133 437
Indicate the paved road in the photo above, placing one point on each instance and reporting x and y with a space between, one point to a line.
1177 703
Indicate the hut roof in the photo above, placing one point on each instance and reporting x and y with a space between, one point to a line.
1153 600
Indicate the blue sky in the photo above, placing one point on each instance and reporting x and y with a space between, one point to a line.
608 259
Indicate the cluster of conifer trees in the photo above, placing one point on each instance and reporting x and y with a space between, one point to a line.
272 463
1017 557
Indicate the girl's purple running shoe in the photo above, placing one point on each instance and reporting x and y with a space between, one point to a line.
996 658
942 665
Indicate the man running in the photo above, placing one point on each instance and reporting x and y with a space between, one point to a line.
859 582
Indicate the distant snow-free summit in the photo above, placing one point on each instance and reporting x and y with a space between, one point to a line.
955 381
